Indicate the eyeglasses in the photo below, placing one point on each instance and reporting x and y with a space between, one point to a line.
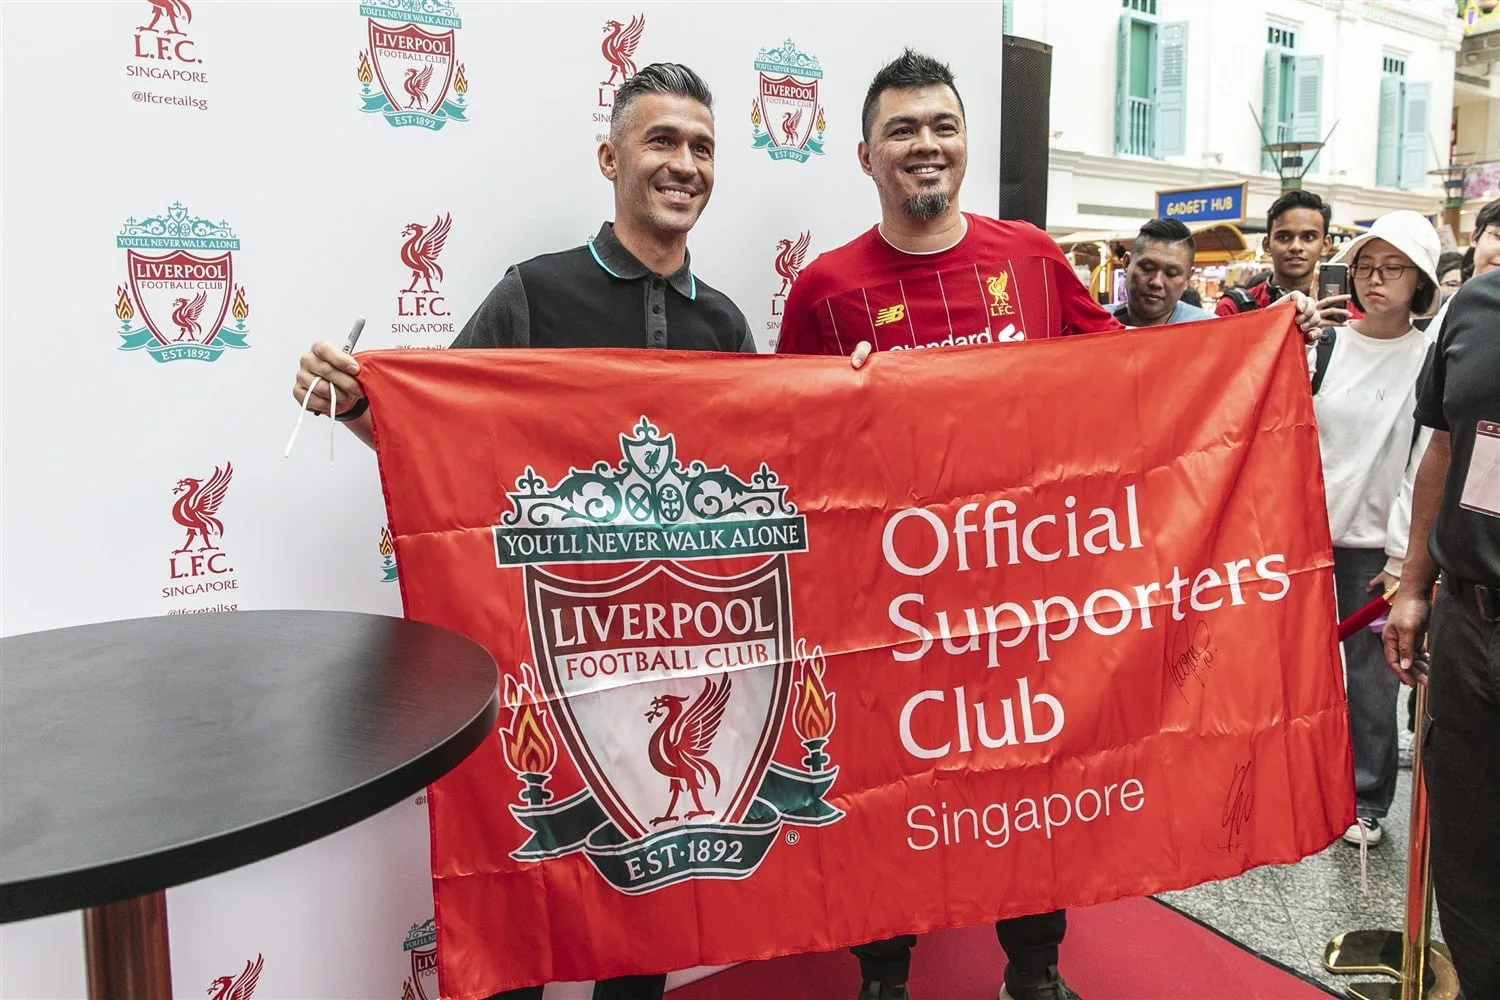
1388 272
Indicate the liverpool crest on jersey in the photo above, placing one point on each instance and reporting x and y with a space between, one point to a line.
667 685
787 116
410 72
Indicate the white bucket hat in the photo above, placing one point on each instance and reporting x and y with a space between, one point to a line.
1407 231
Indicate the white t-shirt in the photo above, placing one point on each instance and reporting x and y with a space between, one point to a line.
1365 424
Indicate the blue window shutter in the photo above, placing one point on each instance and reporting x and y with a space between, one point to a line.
1414 135
1388 147
1122 87
1171 90
1007 17
1270 104
1307 112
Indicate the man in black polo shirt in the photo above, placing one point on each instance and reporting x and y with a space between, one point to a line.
1456 507
629 286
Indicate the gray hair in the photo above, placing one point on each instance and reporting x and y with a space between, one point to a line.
658 78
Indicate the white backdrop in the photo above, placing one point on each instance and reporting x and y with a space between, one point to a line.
249 127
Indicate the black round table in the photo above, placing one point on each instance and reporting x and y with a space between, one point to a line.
138 755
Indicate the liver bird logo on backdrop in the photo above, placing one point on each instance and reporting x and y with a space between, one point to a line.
619 46
197 508
789 258
172 10
668 685
786 113
185 315
240 988
416 68
185 297
421 249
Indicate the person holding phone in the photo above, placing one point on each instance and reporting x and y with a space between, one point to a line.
1364 379
1296 239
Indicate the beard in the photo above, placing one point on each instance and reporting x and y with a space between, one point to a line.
926 205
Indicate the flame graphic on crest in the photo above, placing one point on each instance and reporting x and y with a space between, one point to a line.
387 547
755 113
241 308
365 76
123 311
461 85
529 747
820 124
814 716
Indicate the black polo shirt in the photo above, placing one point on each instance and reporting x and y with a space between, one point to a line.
600 295
1459 388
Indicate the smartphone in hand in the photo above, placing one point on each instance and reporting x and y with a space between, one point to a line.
1333 279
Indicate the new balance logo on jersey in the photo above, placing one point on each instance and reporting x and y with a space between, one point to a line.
890 314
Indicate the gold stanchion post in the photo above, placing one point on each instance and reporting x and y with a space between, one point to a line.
1421 970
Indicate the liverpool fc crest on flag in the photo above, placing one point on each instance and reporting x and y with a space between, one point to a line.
415 67
667 686
786 116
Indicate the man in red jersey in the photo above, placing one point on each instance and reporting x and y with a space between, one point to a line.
929 275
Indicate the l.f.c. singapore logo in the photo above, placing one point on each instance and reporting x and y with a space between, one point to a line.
416 69
786 112
183 298
640 672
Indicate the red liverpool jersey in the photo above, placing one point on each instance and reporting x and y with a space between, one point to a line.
1004 281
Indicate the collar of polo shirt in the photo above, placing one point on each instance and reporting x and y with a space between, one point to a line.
610 254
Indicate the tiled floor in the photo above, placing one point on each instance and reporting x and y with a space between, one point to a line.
1290 912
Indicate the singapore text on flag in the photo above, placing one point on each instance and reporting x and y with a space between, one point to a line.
795 657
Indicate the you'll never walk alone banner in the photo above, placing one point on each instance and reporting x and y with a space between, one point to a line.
795 657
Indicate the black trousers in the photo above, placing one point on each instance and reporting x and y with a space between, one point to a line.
1462 765
622 988
1030 944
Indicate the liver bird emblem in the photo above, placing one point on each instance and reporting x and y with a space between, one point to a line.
172 9
619 46
185 315
791 123
999 296
421 249
789 257
197 506
242 988
680 744
415 86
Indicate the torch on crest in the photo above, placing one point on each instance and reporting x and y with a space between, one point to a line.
529 747
813 715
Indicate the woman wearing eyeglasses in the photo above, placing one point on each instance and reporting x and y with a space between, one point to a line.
1364 402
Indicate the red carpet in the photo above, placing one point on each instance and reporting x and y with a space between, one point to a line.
1134 949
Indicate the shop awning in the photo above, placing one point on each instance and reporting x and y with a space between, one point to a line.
1214 242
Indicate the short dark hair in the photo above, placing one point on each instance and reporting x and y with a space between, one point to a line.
1298 199
1489 215
1450 260
1468 270
1169 231
906 72
1421 299
659 78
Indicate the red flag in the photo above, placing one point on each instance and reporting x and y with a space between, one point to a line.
798 657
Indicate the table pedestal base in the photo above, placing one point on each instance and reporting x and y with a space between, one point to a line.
126 947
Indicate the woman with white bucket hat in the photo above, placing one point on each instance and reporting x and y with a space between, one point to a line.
1365 377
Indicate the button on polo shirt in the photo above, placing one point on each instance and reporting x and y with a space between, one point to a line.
601 295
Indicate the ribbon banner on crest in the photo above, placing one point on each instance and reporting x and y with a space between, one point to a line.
796 657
